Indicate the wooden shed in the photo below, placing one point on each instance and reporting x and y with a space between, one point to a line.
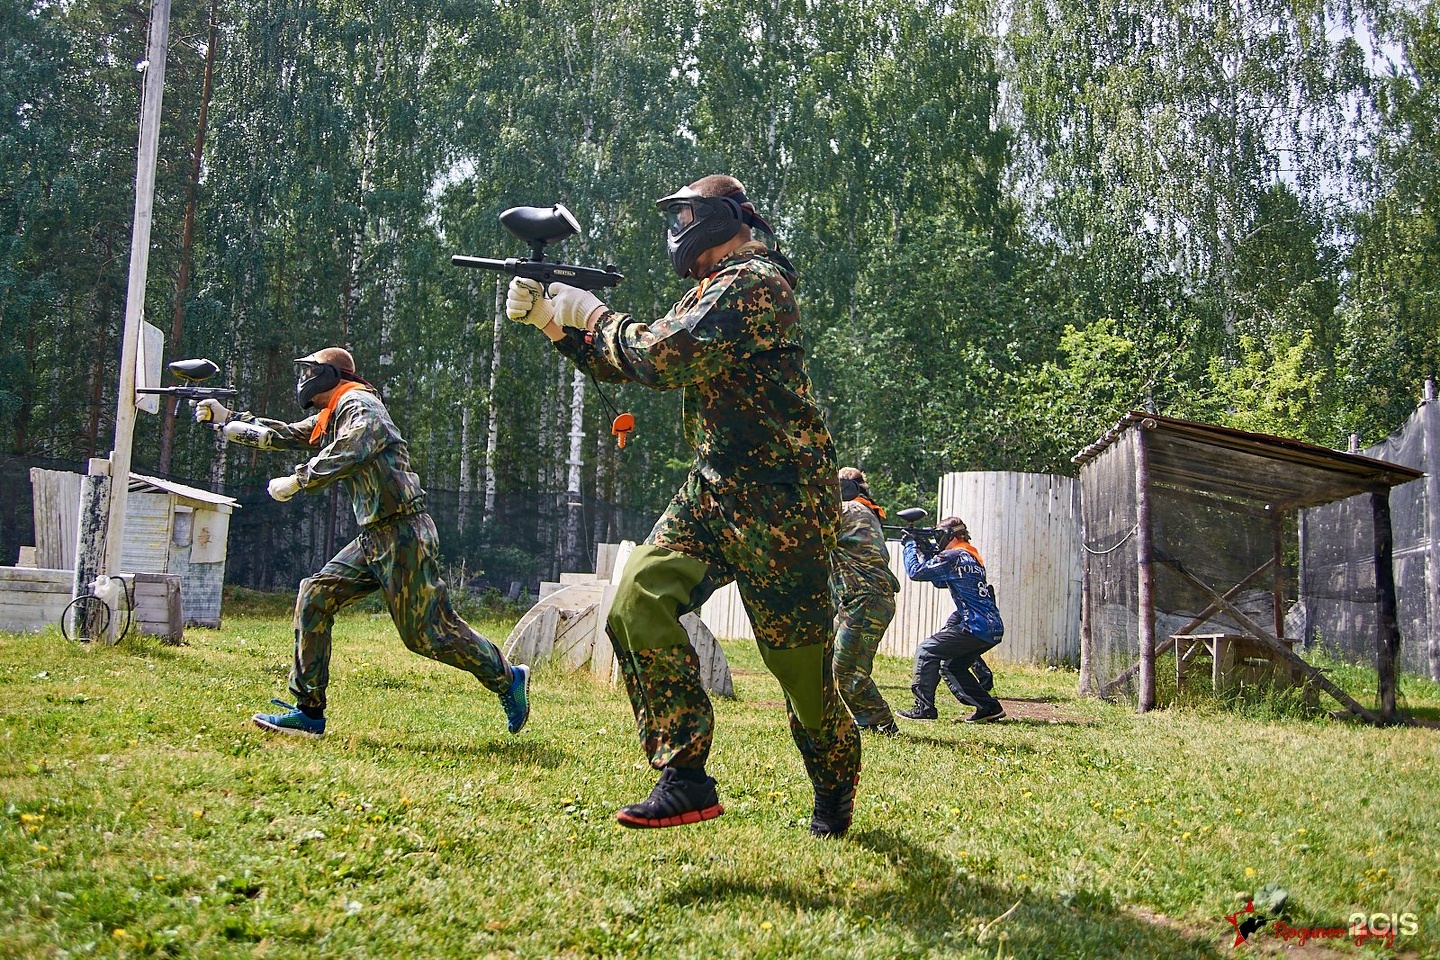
1186 527
170 528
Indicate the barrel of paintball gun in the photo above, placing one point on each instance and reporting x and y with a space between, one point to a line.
545 271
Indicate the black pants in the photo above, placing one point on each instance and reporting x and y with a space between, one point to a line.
983 676
951 652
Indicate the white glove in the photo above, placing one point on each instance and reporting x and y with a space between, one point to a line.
525 303
283 488
250 434
211 411
573 306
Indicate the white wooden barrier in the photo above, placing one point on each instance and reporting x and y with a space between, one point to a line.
1027 528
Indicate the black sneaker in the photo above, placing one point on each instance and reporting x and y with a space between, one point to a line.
833 811
887 729
996 712
915 713
674 802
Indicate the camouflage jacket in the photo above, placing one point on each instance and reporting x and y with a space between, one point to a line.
733 346
362 449
860 562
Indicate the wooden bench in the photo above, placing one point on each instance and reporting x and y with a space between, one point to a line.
1230 654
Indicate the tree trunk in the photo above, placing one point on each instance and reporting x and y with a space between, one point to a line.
492 426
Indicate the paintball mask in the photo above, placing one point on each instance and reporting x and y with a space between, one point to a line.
321 371
694 224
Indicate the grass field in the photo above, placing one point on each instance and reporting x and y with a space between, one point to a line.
143 815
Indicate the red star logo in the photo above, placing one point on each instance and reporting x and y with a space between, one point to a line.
1234 922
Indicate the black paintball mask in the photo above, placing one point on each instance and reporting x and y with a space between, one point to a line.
314 377
694 224
850 489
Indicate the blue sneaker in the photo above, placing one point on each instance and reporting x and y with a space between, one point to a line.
516 700
291 721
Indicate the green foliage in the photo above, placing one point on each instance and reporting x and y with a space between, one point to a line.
1006 238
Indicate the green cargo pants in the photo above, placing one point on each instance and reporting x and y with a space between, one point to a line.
397 557
859 627
773 541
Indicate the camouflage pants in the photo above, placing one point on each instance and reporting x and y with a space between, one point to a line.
396 557
859 627
773 541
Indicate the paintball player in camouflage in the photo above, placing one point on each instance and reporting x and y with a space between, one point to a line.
353 441
759 506
866 589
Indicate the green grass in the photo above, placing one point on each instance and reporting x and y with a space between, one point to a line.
143 815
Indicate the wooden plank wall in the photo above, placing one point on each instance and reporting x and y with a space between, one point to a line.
32 598
56 499
1027 527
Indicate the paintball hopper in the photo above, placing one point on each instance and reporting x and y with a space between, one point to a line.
193 371
540 226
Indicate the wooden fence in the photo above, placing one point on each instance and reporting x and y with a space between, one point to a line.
1027 527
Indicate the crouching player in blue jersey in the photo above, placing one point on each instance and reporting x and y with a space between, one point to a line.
972 629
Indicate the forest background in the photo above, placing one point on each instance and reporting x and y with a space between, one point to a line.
1014 219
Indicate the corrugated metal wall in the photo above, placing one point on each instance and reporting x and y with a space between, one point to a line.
1027 527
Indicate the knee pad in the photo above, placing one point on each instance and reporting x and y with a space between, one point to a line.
801 672
656 586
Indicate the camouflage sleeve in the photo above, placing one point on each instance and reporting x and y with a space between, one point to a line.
288 436
696 340
358 437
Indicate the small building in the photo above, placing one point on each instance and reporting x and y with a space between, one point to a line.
170 528
1187 527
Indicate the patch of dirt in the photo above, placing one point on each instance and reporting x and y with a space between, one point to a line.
1042 711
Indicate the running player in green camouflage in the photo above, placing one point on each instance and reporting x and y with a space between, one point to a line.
759 507
866 588
354 442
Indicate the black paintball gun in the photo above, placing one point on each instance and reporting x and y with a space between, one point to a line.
929 540
539 227
192 371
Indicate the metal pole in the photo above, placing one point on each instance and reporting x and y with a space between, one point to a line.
139 264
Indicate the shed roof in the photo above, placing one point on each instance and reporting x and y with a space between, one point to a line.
1257 467
203 498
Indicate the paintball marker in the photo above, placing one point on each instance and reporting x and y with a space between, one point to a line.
929 540
540 226
192 371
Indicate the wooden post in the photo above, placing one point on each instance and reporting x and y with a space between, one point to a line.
1145 548
1387 632
135 293
1086 679
90 546
1277 582
1430 423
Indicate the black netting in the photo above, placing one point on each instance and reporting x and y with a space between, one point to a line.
1339 610
1226 545
528 537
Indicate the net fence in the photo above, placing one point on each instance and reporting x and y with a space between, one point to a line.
1339 611
527 538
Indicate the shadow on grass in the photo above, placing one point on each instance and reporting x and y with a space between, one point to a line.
936 902
519 751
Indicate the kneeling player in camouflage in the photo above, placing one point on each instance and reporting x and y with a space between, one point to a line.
759 507
356 443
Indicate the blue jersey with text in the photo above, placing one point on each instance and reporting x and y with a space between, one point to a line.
964 575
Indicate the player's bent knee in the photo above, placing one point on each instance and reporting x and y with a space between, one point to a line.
656 584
